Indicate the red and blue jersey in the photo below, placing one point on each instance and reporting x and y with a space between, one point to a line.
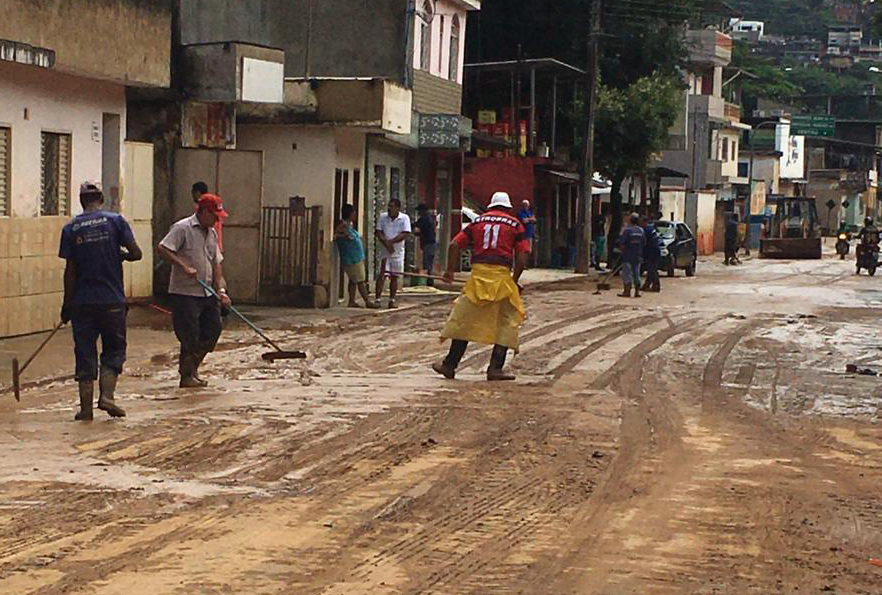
495 237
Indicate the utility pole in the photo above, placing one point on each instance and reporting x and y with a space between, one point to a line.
583 247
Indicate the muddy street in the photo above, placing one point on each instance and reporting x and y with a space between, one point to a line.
704 440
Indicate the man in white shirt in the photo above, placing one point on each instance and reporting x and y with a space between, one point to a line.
393 228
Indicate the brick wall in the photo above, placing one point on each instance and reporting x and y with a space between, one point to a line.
31 274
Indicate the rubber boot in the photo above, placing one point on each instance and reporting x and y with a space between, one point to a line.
199 358
106 389
637 291
626 292
497 361
87 393
188 369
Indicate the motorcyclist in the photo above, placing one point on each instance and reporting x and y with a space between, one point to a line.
869 233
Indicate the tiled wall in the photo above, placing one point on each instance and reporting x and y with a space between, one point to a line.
31 274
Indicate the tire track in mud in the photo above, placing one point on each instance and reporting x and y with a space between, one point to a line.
574 360
713 370
648 429
545 330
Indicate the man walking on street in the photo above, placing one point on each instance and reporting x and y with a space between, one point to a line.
95 244
651 255
351 248
192 249
526 217
428 241
393 228
490 310
731 242
632 243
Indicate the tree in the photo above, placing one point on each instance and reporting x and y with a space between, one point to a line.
632 125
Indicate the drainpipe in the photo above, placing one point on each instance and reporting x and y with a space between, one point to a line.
409 25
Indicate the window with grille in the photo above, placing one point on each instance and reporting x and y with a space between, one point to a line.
5 170
55 174
454 49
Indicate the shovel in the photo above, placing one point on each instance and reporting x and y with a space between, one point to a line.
270 356
17 370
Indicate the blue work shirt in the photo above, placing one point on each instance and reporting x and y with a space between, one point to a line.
631 243
351 247
529 228
652 252
92 243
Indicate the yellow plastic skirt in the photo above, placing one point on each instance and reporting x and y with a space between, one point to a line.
489 311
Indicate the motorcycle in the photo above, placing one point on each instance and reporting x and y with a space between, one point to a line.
867 258
843 245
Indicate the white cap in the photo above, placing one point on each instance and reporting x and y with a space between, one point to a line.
90 187
500 199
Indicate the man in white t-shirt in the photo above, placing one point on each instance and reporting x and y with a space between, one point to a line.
393 228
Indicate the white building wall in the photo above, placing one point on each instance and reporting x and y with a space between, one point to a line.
302 161
440 37
34 100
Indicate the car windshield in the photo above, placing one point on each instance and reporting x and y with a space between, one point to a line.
665 230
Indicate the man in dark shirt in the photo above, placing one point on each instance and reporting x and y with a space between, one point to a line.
651 255
425 225
731 243
94 299
631 243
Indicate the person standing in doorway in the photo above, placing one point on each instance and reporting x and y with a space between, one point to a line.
428 239
199 189
490 310
393 228
94 246
631 243
651 255
526 217
192 250
352 258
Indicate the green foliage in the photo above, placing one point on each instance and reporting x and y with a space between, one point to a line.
788 17
789 81
632 124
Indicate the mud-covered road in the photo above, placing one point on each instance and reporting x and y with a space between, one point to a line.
706 440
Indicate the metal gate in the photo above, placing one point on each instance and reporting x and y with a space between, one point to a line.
290 240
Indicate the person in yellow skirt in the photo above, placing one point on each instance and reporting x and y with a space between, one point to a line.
490 310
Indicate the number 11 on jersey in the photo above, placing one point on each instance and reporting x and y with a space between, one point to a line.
491 236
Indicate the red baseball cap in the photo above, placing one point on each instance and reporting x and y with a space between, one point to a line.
213 203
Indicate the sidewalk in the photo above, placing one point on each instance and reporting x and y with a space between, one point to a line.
150 333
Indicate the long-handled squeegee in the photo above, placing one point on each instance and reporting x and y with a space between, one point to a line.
17 370
270 356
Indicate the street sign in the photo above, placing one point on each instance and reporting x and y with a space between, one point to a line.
819 126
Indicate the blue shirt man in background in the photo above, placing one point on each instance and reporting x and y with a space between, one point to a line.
632 243
95 244
651 255
529 220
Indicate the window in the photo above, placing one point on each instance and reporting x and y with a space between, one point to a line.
5 169
55 174
725 149
440 50
426 37
454 50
